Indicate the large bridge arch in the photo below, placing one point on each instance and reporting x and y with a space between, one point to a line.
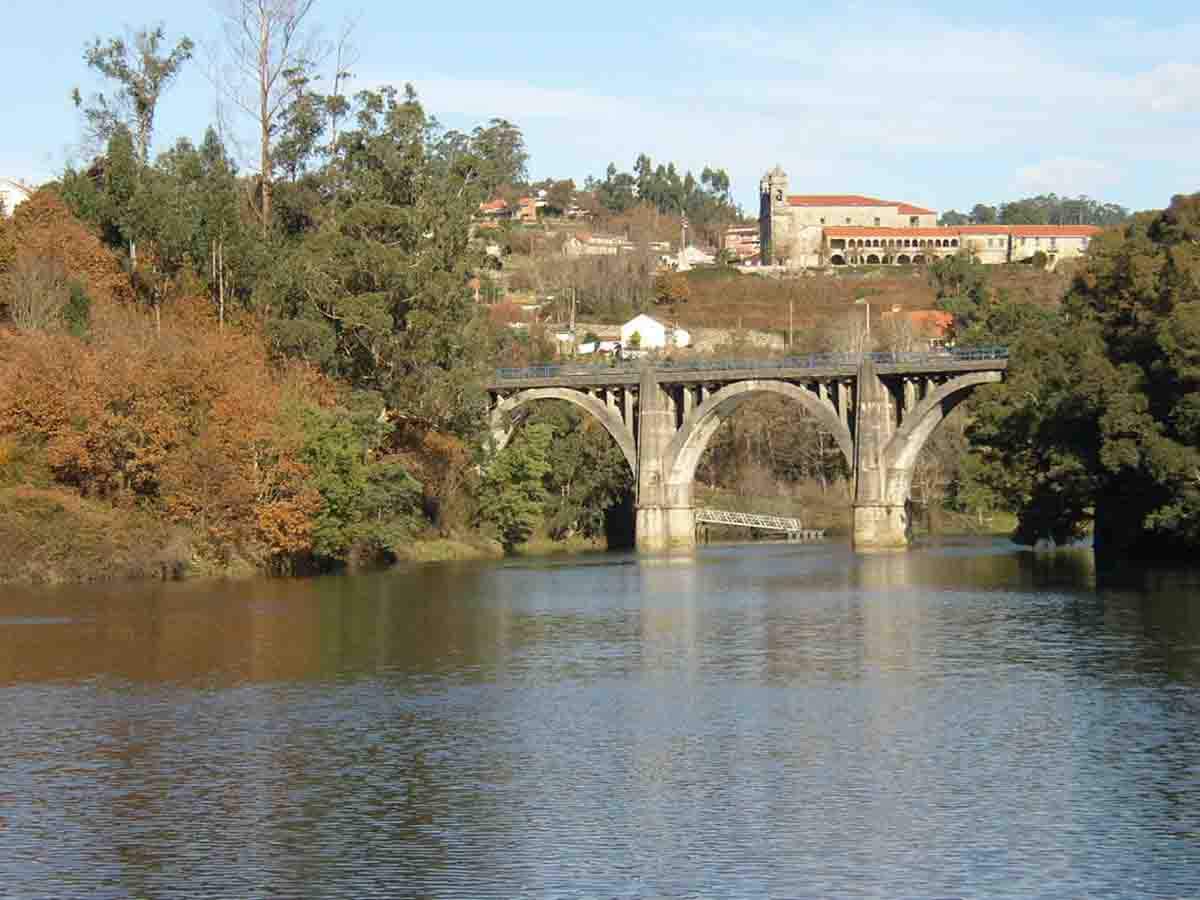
609 418
919 424
689 443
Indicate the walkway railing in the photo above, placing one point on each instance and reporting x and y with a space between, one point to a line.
811 361
749 520
791 527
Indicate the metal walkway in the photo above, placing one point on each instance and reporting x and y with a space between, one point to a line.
792 527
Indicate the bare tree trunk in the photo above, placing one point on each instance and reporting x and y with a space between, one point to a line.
346 55
269 42
221 286
264 112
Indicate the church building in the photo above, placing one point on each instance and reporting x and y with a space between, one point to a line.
820 230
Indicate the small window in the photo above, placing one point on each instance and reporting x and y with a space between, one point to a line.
822 220
914 221
847 220
877 221
1053 243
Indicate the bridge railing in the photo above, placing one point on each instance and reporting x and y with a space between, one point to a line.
809 361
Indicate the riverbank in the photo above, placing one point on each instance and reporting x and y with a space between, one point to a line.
54 537
50 536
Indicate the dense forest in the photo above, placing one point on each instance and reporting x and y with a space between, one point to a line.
211 368
1098 424
206 369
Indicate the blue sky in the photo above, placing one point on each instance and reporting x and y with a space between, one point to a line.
938 104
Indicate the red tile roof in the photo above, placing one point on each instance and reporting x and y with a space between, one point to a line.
1029 230
862 231
907 209
835 200
1054 230
952 231
493 205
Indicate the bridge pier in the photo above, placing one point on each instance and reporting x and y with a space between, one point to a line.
882 527
880 522
666 515
662 529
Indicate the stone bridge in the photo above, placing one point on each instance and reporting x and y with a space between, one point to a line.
881 408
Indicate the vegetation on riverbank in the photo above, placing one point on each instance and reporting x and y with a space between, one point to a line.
1097 426
210 372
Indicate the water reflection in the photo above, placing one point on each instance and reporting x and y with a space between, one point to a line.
962 720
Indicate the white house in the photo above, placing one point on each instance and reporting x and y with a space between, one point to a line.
691 256
652 334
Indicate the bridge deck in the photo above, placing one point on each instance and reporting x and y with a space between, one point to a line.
818 367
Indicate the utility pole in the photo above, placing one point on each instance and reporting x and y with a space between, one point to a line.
867 309
790 323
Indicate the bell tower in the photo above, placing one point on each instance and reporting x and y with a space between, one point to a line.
772 202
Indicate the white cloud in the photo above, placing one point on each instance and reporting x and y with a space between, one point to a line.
901 105
485 98
1066 175
1169 88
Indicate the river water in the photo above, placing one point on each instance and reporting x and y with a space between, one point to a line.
962 720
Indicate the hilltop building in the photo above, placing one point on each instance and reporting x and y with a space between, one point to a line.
744 242
818 230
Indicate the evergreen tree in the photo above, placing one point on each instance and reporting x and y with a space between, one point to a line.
513 495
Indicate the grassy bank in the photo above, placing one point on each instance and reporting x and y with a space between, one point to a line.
455 549
50 536
544 546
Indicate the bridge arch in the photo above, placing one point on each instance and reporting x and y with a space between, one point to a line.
684 452
906 444
609 418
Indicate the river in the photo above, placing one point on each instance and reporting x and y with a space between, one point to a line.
962 720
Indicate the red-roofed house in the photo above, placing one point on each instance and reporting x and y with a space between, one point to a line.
494 209
916 329
1056 241
526 210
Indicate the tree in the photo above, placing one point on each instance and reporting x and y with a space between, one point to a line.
272 50
379 293
671 288
512 494
500 148
38 292
982 214
961 285
587 472
142 73
370 506
1098 419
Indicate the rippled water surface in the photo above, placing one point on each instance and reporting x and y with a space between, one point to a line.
963 720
